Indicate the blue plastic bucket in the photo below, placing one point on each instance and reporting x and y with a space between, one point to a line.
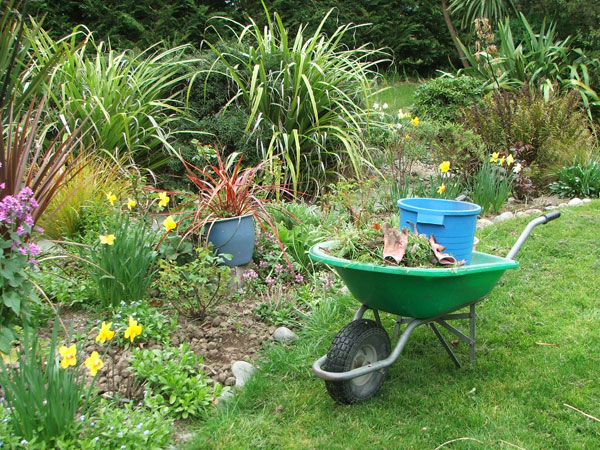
234 236
452 223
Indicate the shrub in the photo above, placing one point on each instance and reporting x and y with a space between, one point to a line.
309 92
175 383
442 98
196 287
580 180
554 132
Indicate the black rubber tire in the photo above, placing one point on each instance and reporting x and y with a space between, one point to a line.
359 343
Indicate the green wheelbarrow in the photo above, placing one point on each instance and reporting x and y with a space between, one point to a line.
356 364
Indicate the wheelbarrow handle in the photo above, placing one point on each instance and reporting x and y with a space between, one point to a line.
543 219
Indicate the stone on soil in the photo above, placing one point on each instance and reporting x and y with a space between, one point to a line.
284 334
242 371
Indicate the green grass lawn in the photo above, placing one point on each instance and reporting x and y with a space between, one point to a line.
538 348
398 95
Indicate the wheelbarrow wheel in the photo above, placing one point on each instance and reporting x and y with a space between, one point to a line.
358 344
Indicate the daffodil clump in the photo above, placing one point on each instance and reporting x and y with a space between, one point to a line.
124 257
94 362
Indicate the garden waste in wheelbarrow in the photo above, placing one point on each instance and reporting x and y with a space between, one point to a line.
355 366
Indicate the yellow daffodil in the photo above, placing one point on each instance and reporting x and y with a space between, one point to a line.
94 363
112 198
407 136
442 189
105 333
415 122
108 239
509 160
501 160
131 203
133 329
169 223
445 166
494 157
68 355
164 199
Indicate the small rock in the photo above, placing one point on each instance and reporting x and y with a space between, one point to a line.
511 200
155 293
214 352
252 337
242 371
224 399
216 322
230 381
211 345
229 349
198 333
551 207
117 380
533 211
563 205
221 377
502 217
175 340
482 223
284 334
587 200
575 202
521 214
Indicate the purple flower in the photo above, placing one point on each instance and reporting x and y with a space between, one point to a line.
21 231
278 268
263 264
299 278
34 249
270 280
249 274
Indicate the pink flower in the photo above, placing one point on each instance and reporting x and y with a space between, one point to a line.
249 274
269 280
299 278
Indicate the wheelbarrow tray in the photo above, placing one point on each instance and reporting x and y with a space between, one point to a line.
420 293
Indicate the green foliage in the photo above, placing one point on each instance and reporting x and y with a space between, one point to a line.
176 385
554 132
491 186
122 270
195 287
129 98
539 60
580 180
130 24
43 397
469 10
19 82
442 98
156 324
453 142
124 426
309 91
66 283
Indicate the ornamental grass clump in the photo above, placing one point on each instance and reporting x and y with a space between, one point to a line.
310 91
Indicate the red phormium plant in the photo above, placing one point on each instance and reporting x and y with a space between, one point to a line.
27 161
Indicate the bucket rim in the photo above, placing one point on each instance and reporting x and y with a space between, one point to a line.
473 210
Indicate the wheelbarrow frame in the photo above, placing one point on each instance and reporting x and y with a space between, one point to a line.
441 319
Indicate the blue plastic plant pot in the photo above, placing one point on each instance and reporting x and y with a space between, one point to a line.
233 236
452 223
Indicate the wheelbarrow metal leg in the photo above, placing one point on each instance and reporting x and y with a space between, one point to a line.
445 344
472 333
361 312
